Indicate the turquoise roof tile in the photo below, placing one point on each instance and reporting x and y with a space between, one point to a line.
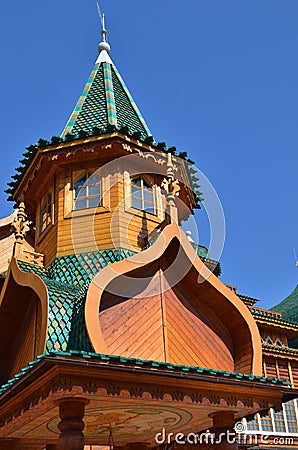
140 363
67 280
289 307
289 310
106 101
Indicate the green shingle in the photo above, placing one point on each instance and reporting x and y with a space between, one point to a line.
106 101
147 363
289 310
289 307
67 280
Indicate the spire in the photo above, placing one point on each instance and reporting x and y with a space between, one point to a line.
103 47
105 99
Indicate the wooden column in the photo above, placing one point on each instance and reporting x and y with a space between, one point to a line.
8 444
223 424
71 412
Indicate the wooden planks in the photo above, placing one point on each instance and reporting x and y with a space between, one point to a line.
134 328
162 325
109 227
193 338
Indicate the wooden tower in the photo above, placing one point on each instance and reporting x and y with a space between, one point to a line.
112 321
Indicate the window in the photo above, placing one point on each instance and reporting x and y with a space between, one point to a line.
45 217
252 425
87 191
266 423
279 422
142 195
291 416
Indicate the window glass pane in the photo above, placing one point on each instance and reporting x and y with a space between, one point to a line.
81 192
279 422
80 204
252 425
136 192
148 196
291 417
142 195
45 217
93 201
87 191
94 189
136 203
266 423
149 208
80 182
93 179
137 182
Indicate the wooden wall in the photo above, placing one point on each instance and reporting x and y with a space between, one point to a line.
165 326
20 323
83 231
281 368
7 240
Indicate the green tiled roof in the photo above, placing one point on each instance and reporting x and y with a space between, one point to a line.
279 320
289 310
67 280
106 101
78 337
121 360
61 306
248 300
292 351
32 268
80 269
289 307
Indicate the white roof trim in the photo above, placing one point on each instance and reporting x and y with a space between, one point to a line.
104 57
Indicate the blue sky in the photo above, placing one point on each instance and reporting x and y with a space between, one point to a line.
215 78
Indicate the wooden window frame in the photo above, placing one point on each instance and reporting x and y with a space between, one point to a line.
159 208
41 209
88 197
145 187
69 195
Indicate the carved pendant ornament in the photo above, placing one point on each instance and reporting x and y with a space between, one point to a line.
21 224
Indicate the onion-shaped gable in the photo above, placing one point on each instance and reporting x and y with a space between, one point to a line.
23 320
165 304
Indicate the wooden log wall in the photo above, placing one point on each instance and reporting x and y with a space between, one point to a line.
284 368
112 226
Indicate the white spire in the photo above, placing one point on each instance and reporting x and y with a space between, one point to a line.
103 47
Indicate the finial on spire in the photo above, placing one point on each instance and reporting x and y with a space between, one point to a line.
104 44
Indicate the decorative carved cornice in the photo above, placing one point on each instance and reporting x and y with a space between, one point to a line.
74 386
70 149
